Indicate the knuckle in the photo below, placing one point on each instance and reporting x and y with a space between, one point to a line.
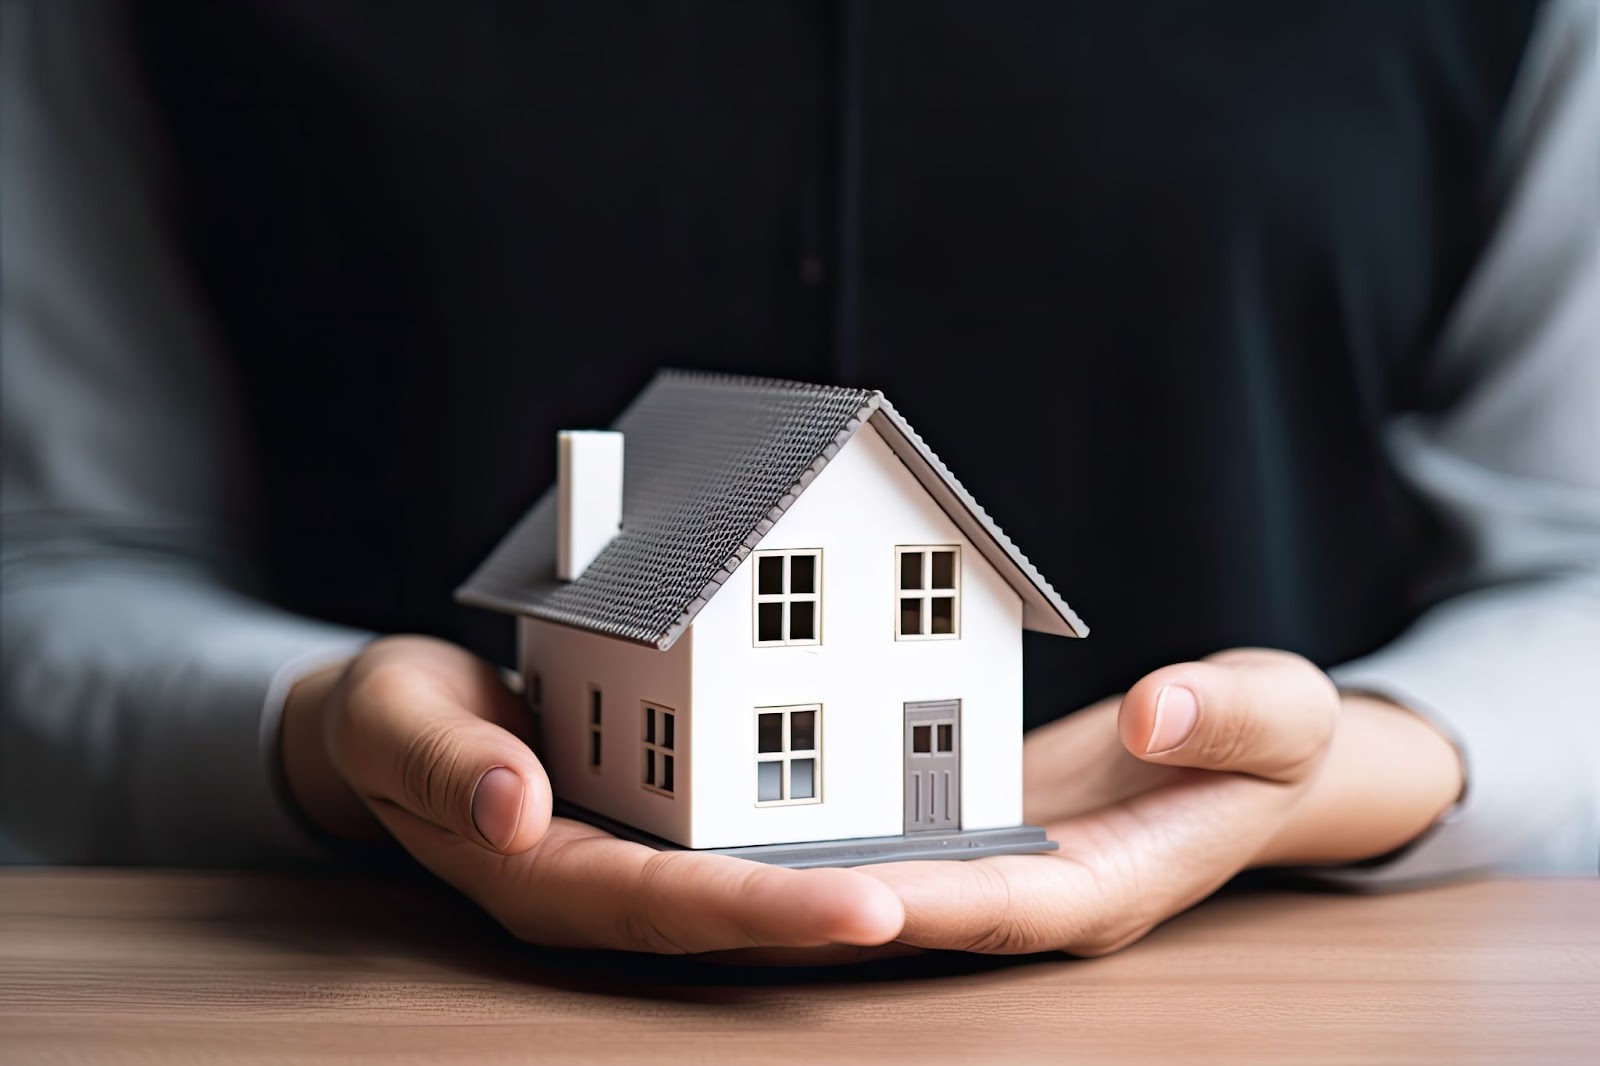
642 932
1008 936
641 925
430 764
1111 938
1121 903
1230 739
1114 924
1006 929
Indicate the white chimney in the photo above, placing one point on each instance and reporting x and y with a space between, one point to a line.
588 495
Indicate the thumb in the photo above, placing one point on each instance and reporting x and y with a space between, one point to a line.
416 733
1253 711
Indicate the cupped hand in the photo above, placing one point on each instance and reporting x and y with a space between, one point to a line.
419 738
1156 800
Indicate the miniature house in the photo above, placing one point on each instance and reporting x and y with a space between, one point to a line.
763 617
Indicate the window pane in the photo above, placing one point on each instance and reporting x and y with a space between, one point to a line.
666 772
769 575
769 781
911 570
769 732
910 617
802 779
921 739
769 621
944 570
802 730
803 573
943 611
947 740
649 767
668 722
803 620
649 725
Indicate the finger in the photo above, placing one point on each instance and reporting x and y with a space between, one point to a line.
424 726
1077 764
583 888
615 894
1254 711
1119 873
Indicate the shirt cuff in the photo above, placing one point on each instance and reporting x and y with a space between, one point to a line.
232 806
283 681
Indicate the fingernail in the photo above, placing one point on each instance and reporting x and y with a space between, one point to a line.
497 806
1177 711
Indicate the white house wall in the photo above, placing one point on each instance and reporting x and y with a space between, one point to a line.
863 504
567 661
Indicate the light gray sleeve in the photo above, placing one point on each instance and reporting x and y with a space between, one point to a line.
1506 664
135 720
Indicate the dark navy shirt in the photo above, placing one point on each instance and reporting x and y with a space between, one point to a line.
1149 277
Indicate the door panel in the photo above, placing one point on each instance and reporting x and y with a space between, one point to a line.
933 766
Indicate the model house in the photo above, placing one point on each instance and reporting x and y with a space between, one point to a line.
763 616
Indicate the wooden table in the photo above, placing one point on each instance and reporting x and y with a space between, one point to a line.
172 967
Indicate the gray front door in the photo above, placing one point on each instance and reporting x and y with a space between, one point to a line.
933 766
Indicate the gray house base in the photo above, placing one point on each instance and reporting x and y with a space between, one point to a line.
960 844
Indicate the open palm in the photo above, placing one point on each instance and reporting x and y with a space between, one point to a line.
419 738
1141 837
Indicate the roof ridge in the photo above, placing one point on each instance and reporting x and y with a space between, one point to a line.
734 380
852 425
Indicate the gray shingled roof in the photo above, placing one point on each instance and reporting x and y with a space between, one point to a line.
710 463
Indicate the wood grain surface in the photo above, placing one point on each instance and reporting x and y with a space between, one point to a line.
175 967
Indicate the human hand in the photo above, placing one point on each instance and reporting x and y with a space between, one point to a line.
420 738
1157 800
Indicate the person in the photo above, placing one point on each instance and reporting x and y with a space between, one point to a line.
1271 328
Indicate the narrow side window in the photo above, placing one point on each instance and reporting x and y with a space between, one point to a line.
660 726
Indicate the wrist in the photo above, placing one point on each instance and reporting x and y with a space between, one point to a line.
315 785
1387 777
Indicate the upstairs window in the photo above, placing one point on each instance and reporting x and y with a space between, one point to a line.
788 597
928 599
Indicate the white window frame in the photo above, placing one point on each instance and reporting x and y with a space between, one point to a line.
788 754
657 752
786 598
926 594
